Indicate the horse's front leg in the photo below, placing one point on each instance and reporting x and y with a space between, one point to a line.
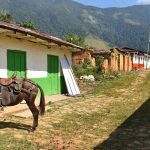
1 108
35 113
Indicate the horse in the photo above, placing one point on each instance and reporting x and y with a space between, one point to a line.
14 90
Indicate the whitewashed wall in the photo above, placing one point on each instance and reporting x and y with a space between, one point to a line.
36 56
148 66
146 62
135 59
141 59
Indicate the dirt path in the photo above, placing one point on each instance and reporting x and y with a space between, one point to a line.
112 117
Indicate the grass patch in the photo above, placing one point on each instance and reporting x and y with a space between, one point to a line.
8 142
108 86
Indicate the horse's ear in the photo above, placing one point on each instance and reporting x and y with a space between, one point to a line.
14 75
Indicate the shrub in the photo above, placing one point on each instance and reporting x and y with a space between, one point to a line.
111 74
99 65
88 69
79 70
28 24
6 16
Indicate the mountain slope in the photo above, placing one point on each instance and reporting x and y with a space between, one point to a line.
95 42
124 27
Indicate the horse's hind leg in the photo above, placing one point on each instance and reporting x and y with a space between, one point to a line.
34 111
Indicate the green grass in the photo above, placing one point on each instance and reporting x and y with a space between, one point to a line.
8 142
122 81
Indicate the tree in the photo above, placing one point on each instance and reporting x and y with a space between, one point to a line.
75 39
5 16
28 24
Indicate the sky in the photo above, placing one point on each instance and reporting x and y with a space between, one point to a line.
113 3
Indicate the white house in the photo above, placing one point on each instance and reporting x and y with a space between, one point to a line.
36 56
137 58
146 61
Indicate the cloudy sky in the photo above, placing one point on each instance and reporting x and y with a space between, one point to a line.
113 3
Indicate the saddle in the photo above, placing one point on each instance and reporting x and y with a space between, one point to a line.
8 81
11 85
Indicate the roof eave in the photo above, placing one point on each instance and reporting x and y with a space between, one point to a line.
42 36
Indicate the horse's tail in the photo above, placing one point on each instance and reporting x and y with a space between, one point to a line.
42 101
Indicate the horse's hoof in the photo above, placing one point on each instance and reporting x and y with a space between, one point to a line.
31 129
2 109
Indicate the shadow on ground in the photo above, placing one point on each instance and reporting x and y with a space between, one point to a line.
20 126
133 134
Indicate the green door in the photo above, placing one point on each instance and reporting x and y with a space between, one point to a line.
16 62
53 74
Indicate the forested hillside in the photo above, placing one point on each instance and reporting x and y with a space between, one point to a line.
122 27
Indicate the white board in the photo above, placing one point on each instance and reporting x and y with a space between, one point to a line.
71 83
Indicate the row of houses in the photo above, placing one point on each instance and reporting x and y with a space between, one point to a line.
47 60
117 59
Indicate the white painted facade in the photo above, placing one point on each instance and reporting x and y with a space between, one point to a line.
36 56
138 59
135 59
146 62
141 59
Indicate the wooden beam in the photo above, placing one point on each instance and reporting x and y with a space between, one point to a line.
27 37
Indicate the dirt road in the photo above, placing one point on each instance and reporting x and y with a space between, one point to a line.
114 116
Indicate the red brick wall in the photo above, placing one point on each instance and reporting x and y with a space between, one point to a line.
80 56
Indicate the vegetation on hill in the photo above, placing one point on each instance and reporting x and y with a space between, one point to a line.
5 16
28 24
75 39
124 27
97 43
